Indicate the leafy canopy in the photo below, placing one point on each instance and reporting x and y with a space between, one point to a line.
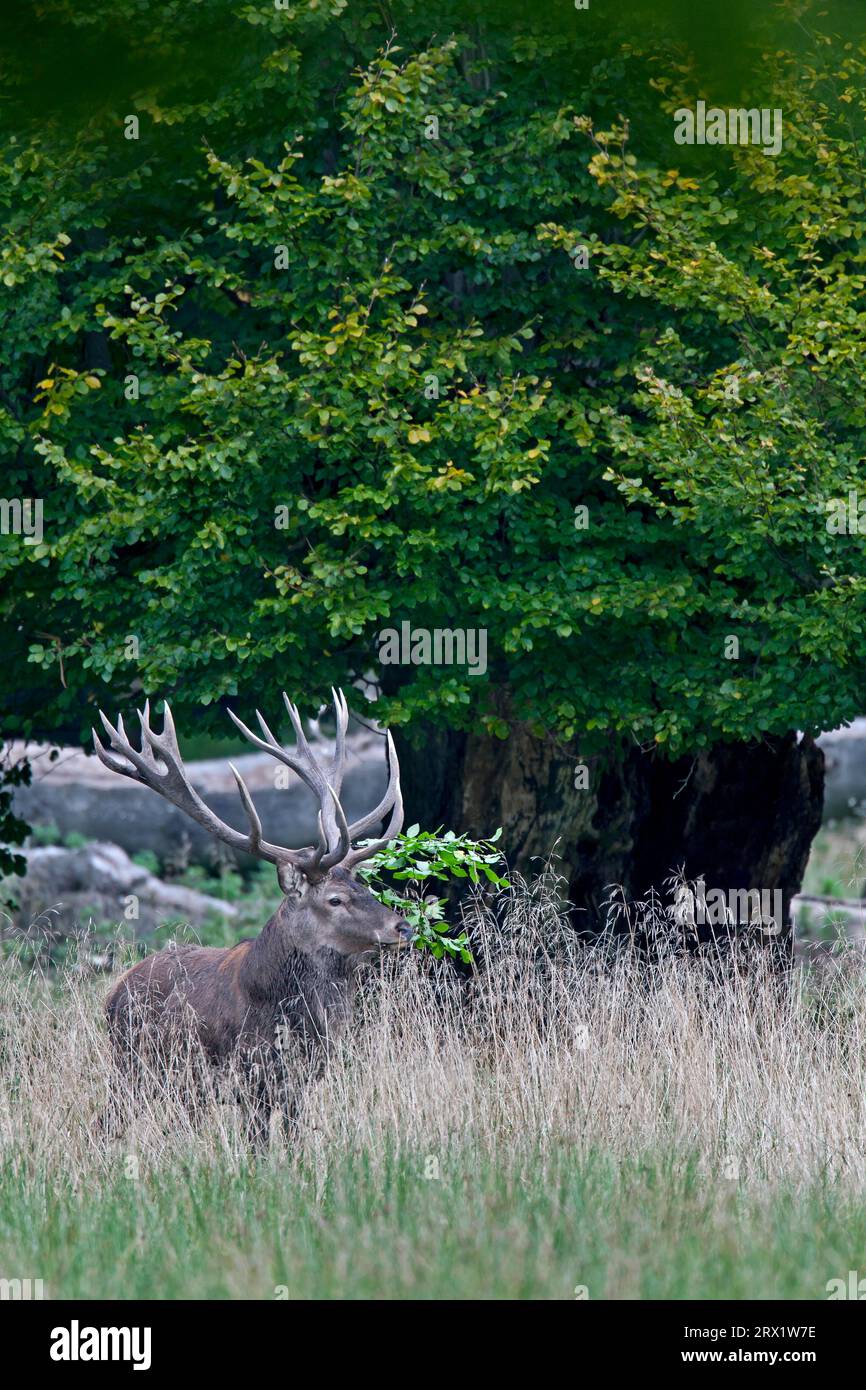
287 371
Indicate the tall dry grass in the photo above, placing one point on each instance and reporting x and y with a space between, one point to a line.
548 1046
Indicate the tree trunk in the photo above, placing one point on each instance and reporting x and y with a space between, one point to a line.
740 816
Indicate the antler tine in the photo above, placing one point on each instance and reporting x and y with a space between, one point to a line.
322 845
392 791
164 744
145 724
306 860
339 853
303 746
252 813
109 728
172 781
169 732
263 725
149 741
314 860
119 741
309 774
304 764
394 827
114 764
124 738
325 783
248 733
341 715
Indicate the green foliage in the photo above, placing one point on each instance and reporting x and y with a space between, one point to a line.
13 830
52 835
146 859
46 835
228 884
286 483
416 857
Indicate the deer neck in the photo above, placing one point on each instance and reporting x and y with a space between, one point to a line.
278 970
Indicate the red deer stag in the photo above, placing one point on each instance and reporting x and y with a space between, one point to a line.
268 1005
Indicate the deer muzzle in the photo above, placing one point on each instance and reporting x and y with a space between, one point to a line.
398 933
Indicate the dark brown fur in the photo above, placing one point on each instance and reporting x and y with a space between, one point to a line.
269 1006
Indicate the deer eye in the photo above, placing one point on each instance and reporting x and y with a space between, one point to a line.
335 902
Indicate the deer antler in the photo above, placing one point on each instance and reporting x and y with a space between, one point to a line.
320 777
392 801
158 765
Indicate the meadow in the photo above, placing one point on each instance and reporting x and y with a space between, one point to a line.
557 1126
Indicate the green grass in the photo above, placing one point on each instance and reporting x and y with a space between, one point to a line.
585 1123
486 1228
837 862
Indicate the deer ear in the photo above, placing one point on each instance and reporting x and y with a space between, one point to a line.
291 880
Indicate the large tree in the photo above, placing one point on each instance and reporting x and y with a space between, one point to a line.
351 326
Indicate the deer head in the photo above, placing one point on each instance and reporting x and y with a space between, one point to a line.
325 904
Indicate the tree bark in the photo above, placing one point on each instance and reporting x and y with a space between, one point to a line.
739 815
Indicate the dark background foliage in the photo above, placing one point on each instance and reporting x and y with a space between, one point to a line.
280 482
